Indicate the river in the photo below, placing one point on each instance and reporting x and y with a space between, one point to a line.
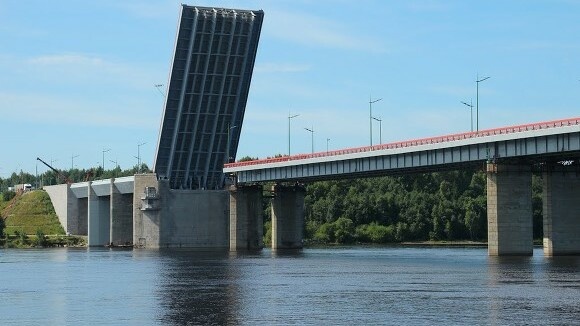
336 286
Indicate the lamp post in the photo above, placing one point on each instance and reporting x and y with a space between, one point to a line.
311 130
380 129
470 105
139 156
158 86
116 166
104 151
327 140
289 118
371 101
477 81
72 161
229 141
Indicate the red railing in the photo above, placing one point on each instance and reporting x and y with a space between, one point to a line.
415 142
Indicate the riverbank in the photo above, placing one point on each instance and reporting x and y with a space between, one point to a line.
22 240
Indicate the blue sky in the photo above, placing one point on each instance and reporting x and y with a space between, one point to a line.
77 77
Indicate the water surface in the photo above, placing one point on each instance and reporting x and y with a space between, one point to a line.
358 285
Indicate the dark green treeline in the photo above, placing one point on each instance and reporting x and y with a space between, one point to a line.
443 206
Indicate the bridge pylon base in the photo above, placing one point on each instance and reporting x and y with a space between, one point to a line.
287 216
561 210
509 210
246 218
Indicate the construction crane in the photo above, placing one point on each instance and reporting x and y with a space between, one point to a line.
57 172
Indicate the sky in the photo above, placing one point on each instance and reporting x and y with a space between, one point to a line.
77 78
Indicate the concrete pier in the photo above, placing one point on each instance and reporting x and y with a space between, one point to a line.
561 210
287 216
98 218
171 218
246 218
509 210
121 224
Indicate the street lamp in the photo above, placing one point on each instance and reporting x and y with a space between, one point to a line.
380 129
289 118
311 130
470 105
477 81
72 161
327 140
104 151
116 166
229 141
158 86
371 116
139 156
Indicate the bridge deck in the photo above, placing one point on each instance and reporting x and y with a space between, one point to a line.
558 137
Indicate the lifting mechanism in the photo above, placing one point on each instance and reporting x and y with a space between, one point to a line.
57 172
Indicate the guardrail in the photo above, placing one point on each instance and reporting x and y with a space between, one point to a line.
415 142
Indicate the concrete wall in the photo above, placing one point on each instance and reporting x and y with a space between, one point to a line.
246 218
59 197
121 231
196 219
287 216
146 221
82 219
561 211
509 210
99 218
182 218
66 206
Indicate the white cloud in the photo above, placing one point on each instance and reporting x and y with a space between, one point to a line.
78 67
72 110
280 68
315 31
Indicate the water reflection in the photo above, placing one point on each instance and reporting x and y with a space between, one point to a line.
198 288
367 286
533 289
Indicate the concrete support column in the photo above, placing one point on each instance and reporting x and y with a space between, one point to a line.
246 218
561 210
98 218
287 216
147 212
121 214
509 210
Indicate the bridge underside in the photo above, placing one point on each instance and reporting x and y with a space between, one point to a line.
508 158
208 89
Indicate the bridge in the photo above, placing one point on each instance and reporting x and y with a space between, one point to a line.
193 200
508 154
542 142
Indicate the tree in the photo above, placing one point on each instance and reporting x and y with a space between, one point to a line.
2 227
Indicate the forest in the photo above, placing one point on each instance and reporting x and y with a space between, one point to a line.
441 206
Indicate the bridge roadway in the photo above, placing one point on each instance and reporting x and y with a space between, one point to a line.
508 155
537 142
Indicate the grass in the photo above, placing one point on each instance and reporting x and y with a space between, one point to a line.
30 213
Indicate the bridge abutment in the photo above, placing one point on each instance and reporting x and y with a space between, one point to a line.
509 210
246 217
561 210
287 216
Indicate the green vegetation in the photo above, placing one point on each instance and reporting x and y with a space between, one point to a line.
29 220
31 213
444 206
